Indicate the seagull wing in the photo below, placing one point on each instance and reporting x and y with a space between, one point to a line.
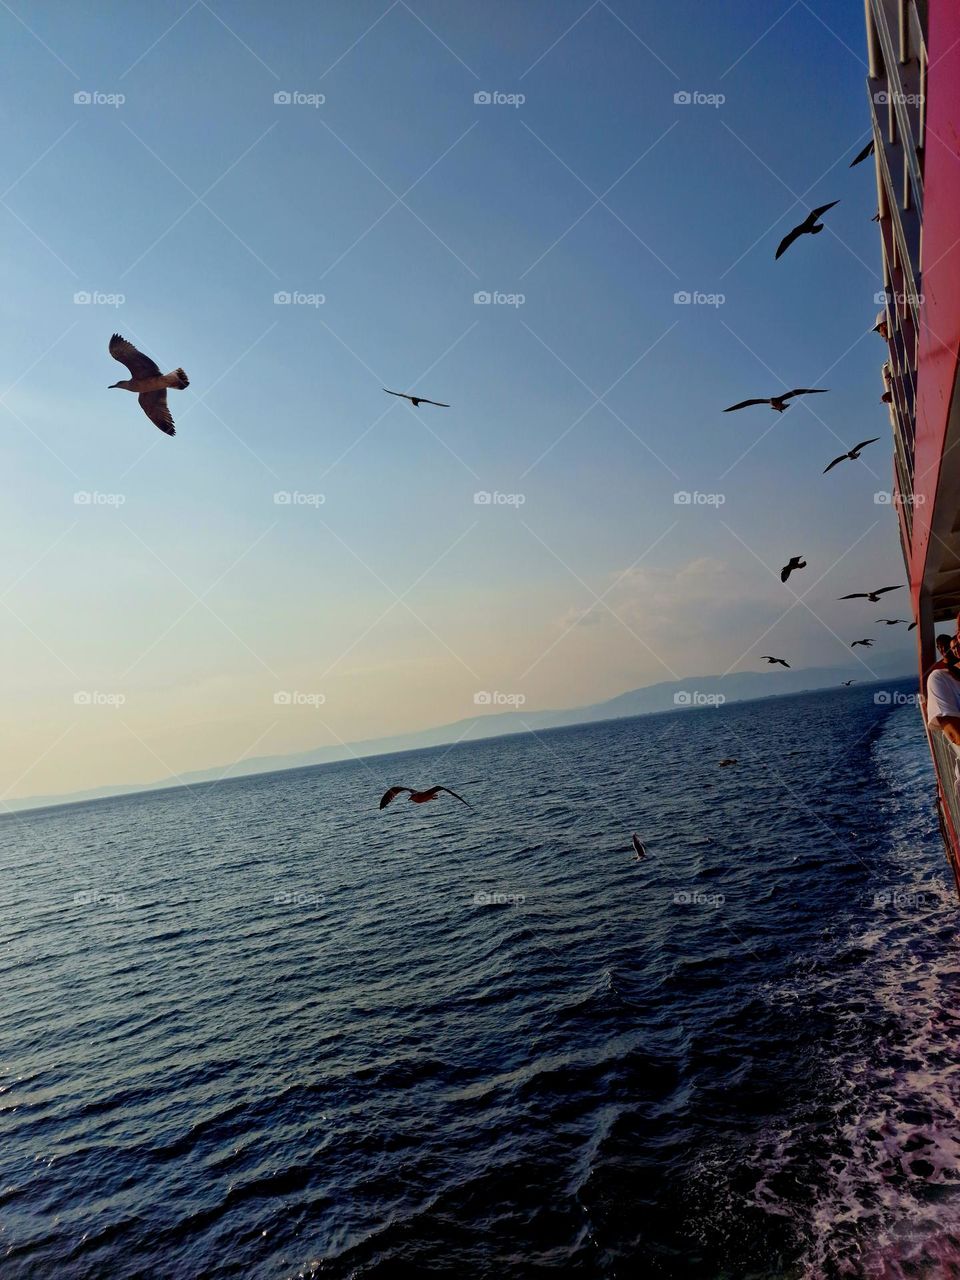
783 663
843 457
805 391
785 572
402 394
880 590
867 150
911 626
855 595
140 366
743 405
788 240
154 405
863 443
638 845
391 793
438 403
819 212
453 793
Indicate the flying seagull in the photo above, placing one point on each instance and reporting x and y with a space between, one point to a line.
641 852
892 622
809 226
419 797
872 596
911 626
847 683
416 401
862 155
771 661
148 382
853 454
795 562
779 402
866 643
728 761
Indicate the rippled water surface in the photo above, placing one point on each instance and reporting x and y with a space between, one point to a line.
260 1029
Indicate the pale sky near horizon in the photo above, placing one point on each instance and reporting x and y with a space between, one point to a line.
150 628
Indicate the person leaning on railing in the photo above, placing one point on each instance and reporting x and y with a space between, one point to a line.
943 691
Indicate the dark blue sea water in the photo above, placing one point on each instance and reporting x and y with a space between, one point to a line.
260 1029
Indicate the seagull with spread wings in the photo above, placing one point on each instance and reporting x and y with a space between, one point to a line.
866 643
872 596
861 155
779 403
772 661
147 382
419 797
848 683
809 226
892 622
416 401
853 454
795 562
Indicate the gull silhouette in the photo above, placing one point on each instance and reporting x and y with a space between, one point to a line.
779 403
419 797
148 383
771 660
852 454
892 622
416 401
872 596
862 155
795 562
640 850
866 643
847 683
809 226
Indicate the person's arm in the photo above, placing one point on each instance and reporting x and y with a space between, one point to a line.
949 726
943 705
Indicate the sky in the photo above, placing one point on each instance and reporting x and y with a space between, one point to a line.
300 204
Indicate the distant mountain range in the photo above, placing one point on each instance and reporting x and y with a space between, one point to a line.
692 693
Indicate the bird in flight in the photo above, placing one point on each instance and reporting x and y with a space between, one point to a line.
866 643
639 849
779 403
419 797
872 596
728 761
147 382
853 454
771 660
809 226
416 401
892 622
847 683
795 562
862 155
911 626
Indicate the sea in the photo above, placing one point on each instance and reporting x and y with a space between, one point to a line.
259 1028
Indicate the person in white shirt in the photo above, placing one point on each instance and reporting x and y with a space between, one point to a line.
943 699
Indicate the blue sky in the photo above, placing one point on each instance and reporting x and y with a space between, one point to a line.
196 596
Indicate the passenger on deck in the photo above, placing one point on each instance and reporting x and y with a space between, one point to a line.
944 645
943 695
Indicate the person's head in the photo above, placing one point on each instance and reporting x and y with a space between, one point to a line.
944 645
